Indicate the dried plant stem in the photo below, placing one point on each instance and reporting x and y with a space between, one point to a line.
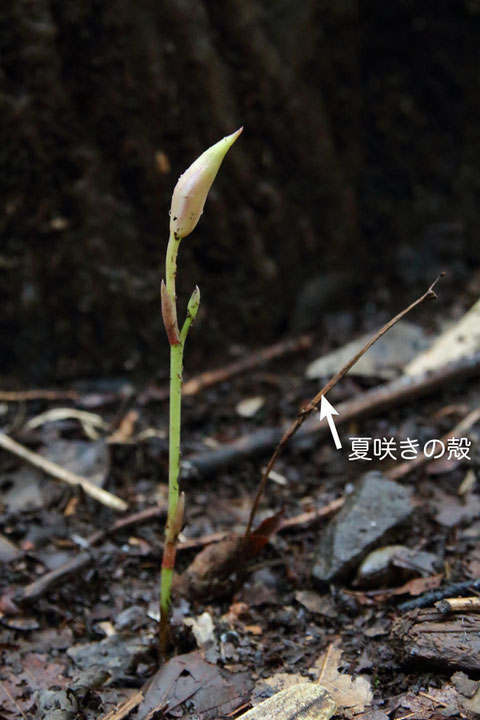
313 404
60 473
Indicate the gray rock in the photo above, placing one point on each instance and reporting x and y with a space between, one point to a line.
118 655
374 509
385 359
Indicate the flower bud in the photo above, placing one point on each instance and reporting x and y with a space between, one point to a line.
193 186
194 303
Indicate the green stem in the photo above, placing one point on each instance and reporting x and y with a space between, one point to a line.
173 525
171 531
171 265
176 367
175 509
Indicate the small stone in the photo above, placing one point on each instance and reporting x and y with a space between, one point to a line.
369 515
393 565
249 407
378 561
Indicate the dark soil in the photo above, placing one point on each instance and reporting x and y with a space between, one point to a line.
265 626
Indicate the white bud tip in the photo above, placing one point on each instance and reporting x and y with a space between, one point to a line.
193 186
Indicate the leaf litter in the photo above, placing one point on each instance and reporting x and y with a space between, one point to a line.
283 632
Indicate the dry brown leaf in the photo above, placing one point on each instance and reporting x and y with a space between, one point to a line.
417 586
347 691
211 691
427 705
275 684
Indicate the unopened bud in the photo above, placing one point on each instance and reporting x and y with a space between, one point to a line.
193 186
194 303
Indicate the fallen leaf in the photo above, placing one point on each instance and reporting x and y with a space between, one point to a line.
414 587
425 705
275 684
211 691
316 603
37 673
417 586
452 511
262 534
346 691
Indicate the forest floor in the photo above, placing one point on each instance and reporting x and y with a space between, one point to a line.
79 592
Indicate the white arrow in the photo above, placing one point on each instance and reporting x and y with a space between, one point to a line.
328 411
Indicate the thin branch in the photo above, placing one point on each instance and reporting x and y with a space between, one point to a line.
458 605
401 390
249 361
313 405
30 395
39 587
59 473
303 520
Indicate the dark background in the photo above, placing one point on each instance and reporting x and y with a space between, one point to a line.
355 181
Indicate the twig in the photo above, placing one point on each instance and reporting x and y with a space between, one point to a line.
35 590
458 605
303 414
311 516
138 518
12 700
56 414
46 582
200 542
301 520
248 362
60 473
40 587
432 596
28 395
406 467
398 391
